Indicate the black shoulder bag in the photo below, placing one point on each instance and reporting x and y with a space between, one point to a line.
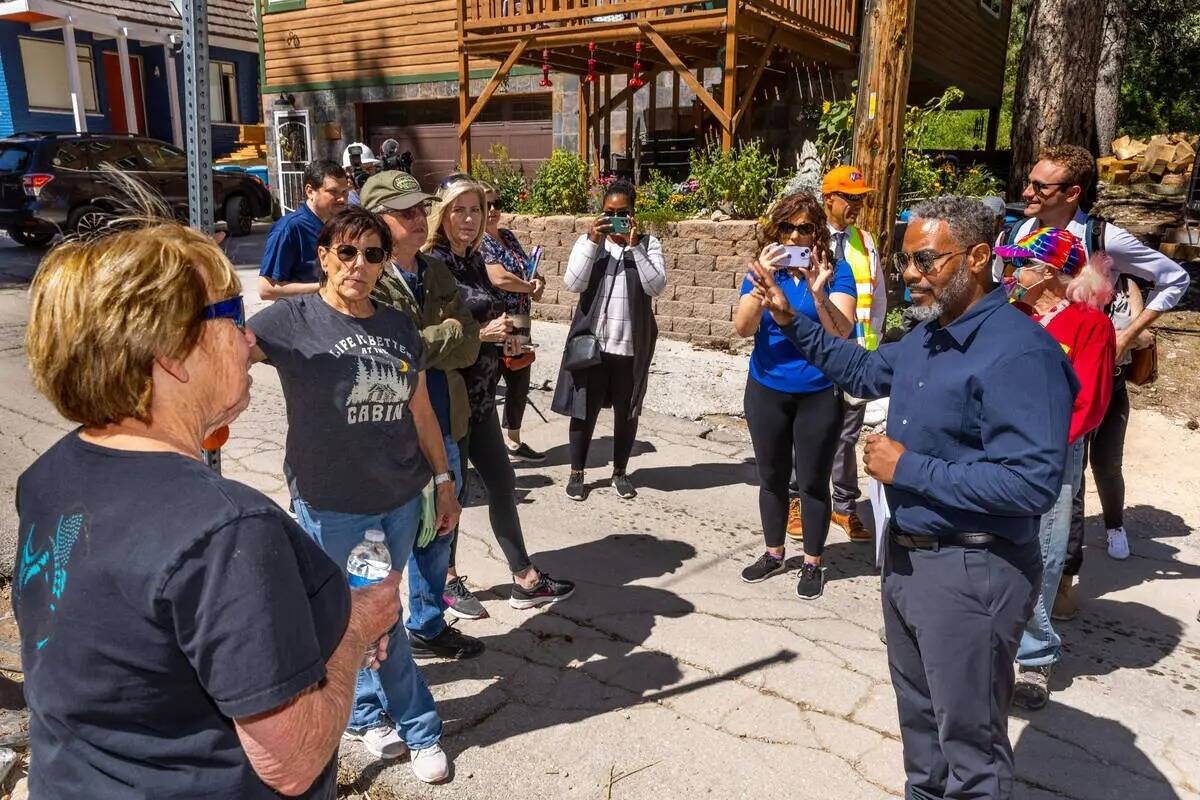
583 349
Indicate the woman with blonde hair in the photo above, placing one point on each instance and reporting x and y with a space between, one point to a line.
455 234
1060 288
147 587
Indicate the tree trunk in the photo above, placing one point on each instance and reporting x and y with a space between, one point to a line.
883 73
1055 95
1108 75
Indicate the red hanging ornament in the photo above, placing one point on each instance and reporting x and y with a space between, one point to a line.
545 81
591 76
636 81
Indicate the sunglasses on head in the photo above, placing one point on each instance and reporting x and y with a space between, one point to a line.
804 228
347 253
926 261
230 308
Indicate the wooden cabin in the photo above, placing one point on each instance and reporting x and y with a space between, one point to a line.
516 72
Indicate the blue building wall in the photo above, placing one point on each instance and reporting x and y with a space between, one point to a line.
14 102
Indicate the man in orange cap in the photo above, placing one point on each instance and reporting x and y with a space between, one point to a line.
843 191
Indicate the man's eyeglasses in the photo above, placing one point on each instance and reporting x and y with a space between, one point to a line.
230 308
1040 188
421 209
926 261
495 205
804 228
347 253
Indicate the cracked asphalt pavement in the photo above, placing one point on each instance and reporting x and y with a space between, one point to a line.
667 677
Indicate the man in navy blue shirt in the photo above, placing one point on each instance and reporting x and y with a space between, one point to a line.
976 443
289 262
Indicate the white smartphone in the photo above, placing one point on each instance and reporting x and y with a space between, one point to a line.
798 257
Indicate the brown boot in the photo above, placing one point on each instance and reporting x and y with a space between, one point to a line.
852 525
795 524
1065 607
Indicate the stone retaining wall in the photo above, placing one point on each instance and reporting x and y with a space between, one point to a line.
706 262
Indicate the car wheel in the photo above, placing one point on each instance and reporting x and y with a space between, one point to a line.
237 216
88 220
32 237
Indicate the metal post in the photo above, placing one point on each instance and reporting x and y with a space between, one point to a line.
198 132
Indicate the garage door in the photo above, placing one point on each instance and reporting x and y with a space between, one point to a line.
429 130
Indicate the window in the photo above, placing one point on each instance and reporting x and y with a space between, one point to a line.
13 159
70 156
222 92
46 81
993 7
116 154
162 157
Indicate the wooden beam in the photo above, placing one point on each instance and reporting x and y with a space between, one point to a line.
626 31
490 88
993 129
652 110
629 119
748 91
729 75
583 121
464 92
595 88
883 73
625 93
675 103
707 99
608 122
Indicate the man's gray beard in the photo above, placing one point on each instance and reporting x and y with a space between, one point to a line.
951 295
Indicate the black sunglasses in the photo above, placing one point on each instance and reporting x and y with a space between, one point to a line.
804 228
495 205
926 261
347 253
1040 188
230 308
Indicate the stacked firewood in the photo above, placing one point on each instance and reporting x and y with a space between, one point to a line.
1165 160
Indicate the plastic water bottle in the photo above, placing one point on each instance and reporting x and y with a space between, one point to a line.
369 562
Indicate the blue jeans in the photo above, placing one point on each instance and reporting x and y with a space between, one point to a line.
427 571
397 689
1040 645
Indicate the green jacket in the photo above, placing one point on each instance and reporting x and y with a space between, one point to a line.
448 347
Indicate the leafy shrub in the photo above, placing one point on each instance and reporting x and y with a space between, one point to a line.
505 175
738 181
561 185
660 200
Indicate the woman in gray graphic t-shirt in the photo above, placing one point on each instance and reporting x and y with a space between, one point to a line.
362 441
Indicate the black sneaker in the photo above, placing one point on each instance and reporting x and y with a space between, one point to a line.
575 488
811 583
460 602
623 486
546 590
524 452
447 644
1032 689
766 566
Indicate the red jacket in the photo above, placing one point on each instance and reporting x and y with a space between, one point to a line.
1087 337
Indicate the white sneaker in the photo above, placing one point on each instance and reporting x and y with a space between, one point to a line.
382 741
430 764
1118 544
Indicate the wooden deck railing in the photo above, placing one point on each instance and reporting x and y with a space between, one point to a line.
835 17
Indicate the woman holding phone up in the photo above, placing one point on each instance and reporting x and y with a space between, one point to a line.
793 410
621 269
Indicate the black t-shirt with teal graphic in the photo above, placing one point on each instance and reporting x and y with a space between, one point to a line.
158 602
347 382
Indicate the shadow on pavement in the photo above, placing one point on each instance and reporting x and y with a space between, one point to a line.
1072 754
696 476
582 658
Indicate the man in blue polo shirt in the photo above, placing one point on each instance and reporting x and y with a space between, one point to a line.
289 262
976 442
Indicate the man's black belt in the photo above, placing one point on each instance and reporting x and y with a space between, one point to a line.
911 541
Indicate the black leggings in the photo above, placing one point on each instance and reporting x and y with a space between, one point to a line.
612 379
802 429
1105 451
484 447
516 394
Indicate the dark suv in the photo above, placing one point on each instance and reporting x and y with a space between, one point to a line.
56 182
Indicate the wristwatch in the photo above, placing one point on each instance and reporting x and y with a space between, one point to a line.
444 477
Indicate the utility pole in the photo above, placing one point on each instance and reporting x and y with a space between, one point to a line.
197 128
885 63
